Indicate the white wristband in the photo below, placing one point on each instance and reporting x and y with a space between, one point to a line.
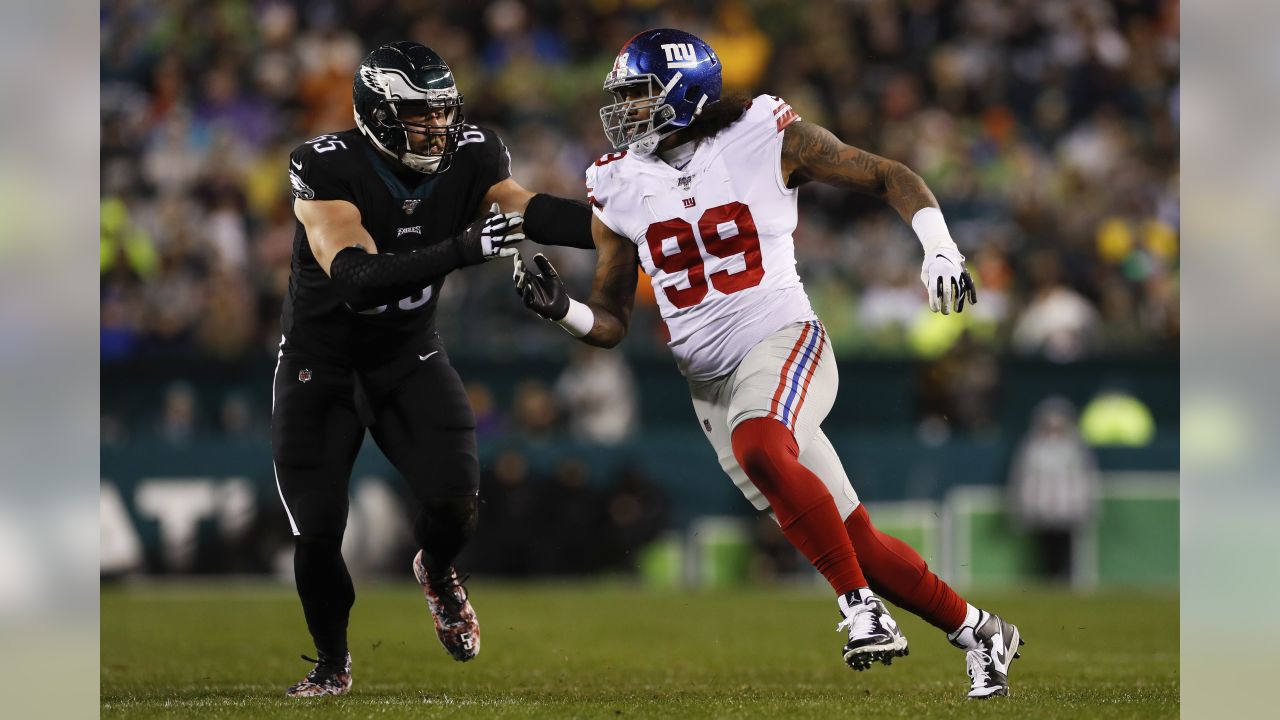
579 320
932 231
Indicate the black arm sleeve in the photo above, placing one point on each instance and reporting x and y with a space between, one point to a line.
551 220
366 281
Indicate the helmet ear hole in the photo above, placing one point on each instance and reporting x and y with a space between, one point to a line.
693 93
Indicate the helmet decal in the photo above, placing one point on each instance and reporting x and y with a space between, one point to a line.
394 84
680 55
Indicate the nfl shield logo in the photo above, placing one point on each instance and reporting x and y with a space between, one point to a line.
410 206
684 181
304 375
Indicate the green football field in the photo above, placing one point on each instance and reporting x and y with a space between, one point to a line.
603 650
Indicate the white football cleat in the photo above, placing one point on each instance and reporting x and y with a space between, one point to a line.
873 634
988 663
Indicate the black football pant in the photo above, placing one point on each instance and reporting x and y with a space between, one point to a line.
417 411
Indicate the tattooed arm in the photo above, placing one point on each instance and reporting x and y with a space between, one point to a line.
613 294
811 152
601 321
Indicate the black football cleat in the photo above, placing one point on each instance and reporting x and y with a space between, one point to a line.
873 634
988 664
328 677
456 623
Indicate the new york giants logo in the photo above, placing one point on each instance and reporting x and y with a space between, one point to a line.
680 55
620 68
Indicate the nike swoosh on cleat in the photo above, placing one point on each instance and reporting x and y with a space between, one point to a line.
999 653
424 357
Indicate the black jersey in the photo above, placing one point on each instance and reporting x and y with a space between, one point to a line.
402 211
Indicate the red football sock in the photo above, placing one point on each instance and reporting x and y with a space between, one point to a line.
807 514
898 574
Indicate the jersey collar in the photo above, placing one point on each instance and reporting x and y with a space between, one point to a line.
702 157
394 182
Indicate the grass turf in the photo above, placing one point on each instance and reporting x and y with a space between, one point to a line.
601 650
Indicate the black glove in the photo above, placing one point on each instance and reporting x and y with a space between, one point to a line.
543 292
490 237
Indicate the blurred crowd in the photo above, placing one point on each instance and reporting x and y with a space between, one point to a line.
536 519
1048 129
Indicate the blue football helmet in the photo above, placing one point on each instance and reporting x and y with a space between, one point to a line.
677 74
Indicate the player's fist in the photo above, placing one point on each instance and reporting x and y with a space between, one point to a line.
492 236
543 292
947 281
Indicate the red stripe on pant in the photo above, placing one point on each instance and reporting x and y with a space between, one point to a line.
898 574
786 370
813 367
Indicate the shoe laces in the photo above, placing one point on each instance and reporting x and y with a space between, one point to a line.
861 623
324 667
977 662
450 588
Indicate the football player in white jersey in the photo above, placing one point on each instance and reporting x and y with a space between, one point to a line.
702 195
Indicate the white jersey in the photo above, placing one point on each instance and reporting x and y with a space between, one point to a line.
715 237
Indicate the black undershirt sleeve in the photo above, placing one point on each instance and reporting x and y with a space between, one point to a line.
551 220
365 280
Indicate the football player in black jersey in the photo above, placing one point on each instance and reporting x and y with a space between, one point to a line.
385 211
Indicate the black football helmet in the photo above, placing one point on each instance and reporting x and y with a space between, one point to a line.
404 80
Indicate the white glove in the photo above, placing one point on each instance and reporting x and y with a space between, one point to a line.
946 281
500 234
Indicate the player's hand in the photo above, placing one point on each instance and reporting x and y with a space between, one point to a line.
492 236
543 292
947 282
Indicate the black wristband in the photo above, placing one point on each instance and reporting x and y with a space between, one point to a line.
551 220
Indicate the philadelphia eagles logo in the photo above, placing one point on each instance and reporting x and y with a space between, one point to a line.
300 189
394 84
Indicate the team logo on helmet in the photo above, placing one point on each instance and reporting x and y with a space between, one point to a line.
680 55
394 84
620 68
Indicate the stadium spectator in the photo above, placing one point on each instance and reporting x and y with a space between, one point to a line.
1053 486
179 421
637 513
509 528
1058 322
534 410
489 421
598 394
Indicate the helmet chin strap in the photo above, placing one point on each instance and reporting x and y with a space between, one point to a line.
645 145
421 163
